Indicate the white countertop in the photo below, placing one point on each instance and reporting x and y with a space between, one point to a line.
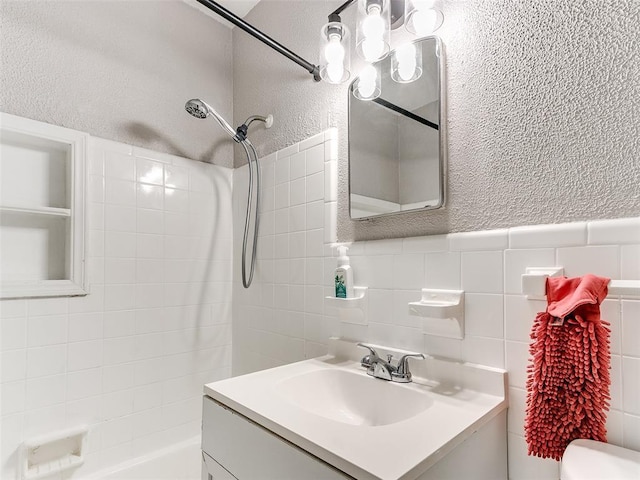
402 450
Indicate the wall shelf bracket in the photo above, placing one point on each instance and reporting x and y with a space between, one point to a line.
443 312
350 310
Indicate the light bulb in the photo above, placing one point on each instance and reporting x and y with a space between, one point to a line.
372 49
369 74
334 54
366 89
367 82
406 70
406 58
424 20
334 51
373 25
373 30
406 52
335 72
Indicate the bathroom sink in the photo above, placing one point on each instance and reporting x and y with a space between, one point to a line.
329 407
353 397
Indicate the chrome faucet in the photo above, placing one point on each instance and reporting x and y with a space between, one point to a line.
385 370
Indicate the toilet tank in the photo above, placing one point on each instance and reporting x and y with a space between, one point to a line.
591 460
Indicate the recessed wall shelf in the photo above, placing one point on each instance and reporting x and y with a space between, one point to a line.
57 212
535 280
41 209
443 312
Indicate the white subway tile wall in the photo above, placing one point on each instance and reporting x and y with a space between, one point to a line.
282 317
129 359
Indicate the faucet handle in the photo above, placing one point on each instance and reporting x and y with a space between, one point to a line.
368 360
402 374
403 363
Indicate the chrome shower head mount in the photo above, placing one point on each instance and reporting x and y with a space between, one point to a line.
241 131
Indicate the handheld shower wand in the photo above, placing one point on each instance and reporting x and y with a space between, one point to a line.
200 109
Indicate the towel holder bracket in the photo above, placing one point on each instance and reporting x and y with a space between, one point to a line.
535 279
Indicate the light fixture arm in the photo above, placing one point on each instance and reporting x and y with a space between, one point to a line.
335 15
397 12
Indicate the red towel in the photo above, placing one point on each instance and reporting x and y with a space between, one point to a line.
568 376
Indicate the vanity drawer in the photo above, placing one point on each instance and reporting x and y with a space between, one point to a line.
213 470
249 451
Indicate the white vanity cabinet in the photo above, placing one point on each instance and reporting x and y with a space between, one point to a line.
234 447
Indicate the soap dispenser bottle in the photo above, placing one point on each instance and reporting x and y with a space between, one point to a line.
344 275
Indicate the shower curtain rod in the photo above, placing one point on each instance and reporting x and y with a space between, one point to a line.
251 30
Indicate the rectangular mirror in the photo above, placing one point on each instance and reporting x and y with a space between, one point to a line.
396 141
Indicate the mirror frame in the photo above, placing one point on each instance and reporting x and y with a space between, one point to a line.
440 62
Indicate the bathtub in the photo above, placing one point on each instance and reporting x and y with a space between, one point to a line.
182 461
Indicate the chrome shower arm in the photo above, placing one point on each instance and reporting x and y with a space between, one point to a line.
268 120
241 131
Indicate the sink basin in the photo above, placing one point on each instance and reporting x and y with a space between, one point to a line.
353 397
329 407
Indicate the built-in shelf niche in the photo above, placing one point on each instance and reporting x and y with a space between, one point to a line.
41 209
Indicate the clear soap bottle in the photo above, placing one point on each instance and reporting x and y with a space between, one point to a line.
344 275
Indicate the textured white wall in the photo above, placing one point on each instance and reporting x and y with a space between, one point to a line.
543 108
119 70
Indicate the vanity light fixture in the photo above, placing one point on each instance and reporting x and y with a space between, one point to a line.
376 19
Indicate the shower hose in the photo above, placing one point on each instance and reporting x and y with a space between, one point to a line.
252 159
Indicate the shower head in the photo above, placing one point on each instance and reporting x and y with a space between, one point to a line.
201 109
197 108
